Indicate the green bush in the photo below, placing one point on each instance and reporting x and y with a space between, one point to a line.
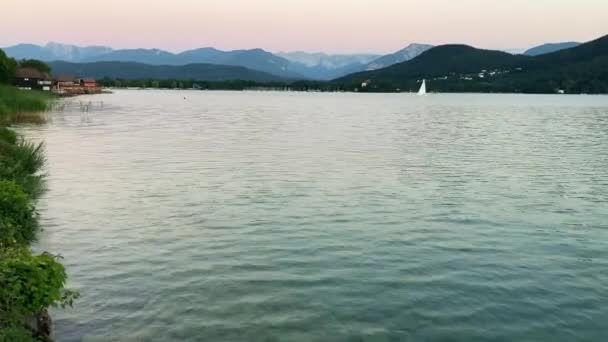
28 284
18 222
35 64
15 333
22 163
7 67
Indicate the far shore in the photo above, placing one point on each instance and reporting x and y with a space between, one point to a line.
109 90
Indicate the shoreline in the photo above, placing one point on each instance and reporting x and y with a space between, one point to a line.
29 283
343 92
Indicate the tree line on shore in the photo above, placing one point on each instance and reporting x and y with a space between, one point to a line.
9 65
221 85
29 283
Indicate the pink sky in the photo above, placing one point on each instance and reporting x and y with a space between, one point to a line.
310 25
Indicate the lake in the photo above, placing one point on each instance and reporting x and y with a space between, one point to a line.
270 216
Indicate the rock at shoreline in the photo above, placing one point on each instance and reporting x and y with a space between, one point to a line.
41 326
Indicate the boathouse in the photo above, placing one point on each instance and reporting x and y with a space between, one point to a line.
67 85
89 85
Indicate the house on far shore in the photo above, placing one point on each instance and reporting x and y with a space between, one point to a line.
89 85
32 79
65 81
67 85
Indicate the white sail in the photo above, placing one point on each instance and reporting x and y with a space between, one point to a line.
422 90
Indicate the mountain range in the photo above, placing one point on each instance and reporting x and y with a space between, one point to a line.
324 66
288 65
397 69
55 52
136 71
451 68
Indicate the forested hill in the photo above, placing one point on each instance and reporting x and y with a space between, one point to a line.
441 61
132 70
452 68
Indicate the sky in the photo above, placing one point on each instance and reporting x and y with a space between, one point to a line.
334 26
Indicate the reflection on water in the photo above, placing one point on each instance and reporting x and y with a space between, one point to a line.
314 217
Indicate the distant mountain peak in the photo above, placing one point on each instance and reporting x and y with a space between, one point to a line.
206 48
316 58
411 51
416 46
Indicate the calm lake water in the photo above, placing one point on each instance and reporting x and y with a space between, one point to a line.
229 216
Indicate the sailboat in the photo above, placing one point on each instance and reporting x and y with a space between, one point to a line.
422 90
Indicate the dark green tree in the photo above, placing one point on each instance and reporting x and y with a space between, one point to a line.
35 64
7 68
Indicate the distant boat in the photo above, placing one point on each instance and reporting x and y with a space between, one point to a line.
422 90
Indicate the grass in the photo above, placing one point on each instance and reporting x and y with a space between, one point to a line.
22 162
22 106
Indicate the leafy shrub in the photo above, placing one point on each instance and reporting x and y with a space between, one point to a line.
22 163
7 67
35 64
18 222
28 284
12 332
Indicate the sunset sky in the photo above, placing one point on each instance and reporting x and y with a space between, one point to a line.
311 25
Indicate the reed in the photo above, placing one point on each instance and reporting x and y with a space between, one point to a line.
22 162
22 106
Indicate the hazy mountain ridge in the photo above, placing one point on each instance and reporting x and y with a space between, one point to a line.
294 65
256 59
549 48
324 66
55 51
146 56
133 71
403 55
329 61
